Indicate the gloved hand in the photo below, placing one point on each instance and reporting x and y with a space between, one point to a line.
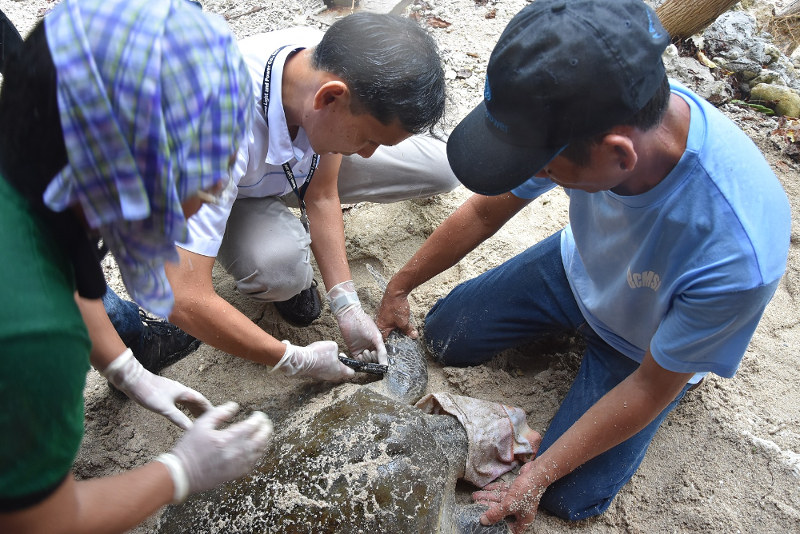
319 360
156 393
205 457
358 330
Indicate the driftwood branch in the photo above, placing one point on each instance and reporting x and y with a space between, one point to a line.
684 18
791 9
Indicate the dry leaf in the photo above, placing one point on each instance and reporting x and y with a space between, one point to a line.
436 22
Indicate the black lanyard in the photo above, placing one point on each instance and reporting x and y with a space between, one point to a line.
287 169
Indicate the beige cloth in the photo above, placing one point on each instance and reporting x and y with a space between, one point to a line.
499 436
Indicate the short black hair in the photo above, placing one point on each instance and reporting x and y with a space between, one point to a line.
650 116
32 146
391 66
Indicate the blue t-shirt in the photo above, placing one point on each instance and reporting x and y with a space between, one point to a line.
687 268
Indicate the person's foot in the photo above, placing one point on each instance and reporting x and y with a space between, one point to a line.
162 344
303 308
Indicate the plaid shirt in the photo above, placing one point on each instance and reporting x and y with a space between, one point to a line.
154 98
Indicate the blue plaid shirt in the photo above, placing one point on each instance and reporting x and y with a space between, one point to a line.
154 98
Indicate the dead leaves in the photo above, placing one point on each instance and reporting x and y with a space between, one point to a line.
418 13
789 129
436 22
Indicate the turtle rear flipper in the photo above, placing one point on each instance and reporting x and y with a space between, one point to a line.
467 520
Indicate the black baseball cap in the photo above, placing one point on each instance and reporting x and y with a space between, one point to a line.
561 70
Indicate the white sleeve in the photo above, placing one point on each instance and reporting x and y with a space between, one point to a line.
206 228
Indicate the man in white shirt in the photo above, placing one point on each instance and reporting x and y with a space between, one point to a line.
324 104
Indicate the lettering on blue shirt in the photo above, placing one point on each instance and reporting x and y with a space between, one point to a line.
647 279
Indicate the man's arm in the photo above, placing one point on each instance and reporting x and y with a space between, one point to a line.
113 504
470 225
326 224
115 361
106 343
328 245
204 457
201 312
617 416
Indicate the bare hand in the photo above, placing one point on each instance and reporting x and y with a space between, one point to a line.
394 313
519 499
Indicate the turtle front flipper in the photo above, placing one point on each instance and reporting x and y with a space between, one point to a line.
467 520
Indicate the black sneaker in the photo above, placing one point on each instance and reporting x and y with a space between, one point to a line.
162 344
303 308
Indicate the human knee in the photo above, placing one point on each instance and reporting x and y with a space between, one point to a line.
272 280
446 341
266 287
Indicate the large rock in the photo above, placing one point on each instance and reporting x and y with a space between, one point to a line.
785 100
734 42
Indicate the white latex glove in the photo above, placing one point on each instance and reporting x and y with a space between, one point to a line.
319 360
205 457
154 392
359 331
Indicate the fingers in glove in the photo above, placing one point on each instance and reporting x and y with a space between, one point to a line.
178 418
265 430
381 355
345 373
214 417
195 402
368 356
255 432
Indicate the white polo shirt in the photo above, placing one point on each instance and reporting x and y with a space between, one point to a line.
257 171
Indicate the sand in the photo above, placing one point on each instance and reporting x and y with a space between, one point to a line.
728 458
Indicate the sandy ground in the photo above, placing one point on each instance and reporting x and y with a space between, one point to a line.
727 460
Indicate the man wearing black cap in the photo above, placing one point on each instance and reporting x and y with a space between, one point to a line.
678 236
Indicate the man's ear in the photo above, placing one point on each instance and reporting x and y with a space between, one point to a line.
619 148
330 93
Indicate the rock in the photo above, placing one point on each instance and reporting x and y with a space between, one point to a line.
767 76
695 76
787 100
730 35
735 44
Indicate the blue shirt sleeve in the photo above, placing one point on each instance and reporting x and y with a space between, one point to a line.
710 332
533 188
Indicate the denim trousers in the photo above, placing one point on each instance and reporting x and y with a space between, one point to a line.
124 315
518 302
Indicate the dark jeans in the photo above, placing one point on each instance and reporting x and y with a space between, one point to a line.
124 315
518 302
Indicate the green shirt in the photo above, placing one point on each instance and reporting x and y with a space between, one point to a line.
44 356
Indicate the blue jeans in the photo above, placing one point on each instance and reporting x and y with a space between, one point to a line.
124 315
524 299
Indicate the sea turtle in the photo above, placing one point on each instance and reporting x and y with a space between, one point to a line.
360 458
